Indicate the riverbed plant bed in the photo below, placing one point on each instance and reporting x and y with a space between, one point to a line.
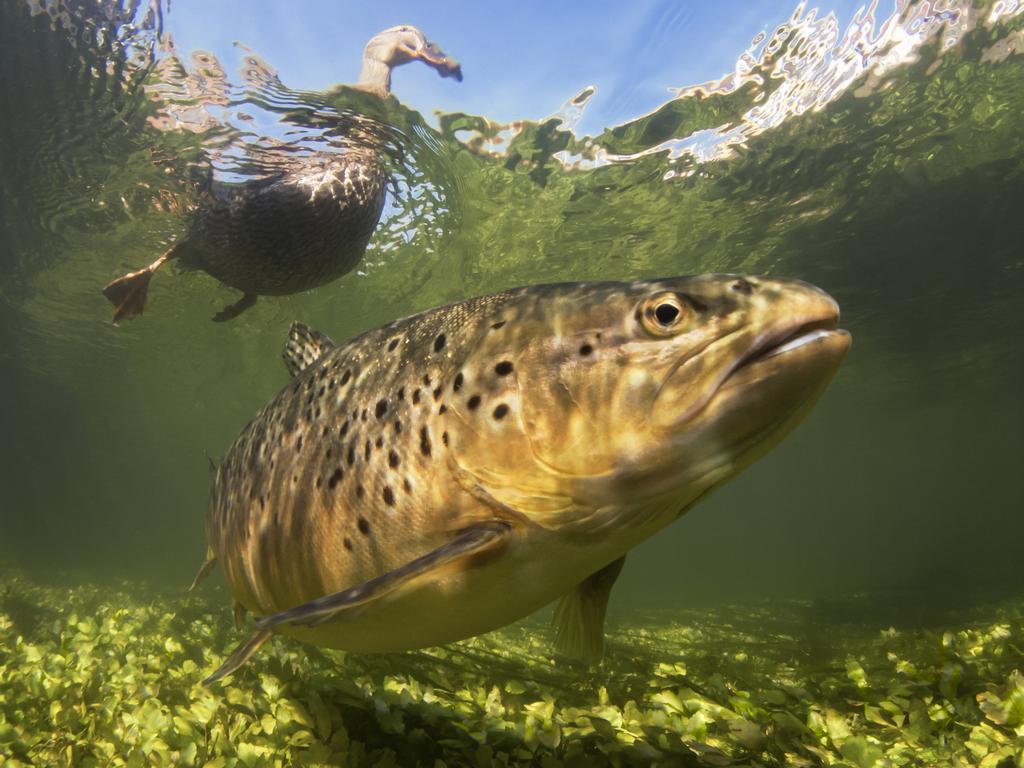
111 676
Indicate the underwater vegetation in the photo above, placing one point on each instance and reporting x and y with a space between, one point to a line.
96 677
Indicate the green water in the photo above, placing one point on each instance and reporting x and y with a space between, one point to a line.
883 534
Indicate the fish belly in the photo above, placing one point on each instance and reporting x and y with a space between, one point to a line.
455 604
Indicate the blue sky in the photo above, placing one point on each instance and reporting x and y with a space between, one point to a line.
520 60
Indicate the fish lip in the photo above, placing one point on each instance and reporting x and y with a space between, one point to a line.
788 338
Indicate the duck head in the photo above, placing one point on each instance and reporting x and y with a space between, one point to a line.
397 46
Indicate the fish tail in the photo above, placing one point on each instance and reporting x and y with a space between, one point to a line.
128 292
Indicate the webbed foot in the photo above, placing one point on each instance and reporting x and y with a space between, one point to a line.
231 311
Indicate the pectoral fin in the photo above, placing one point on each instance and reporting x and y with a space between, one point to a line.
579 616
241 655
469 542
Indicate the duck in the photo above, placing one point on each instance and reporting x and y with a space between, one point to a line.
303 226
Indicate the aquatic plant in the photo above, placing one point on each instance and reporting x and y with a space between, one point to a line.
97 676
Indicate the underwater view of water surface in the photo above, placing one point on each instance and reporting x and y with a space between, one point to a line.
853 598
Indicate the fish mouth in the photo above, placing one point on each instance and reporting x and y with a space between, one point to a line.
791 353
822 331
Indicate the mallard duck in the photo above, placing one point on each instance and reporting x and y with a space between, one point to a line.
300 228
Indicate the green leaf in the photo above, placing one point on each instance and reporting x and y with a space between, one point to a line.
861 752
856 673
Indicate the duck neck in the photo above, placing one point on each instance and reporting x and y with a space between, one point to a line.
375 77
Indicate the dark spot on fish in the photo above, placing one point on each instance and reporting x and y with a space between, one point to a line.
442 409
366 453
473 403
379 441
500 412
322 391
504 368
401 393
298 444
398 427
392 345
382 408
329 452
352 453
425 441
344 428
426 379
363 525
325 430
416 397
439 343
348 543
498 324
345 377
457 384
444 438
393 460
586 349
360 491
407 485
335 478
363 414
389 496
437 393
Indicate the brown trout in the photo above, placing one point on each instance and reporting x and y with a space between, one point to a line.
451 472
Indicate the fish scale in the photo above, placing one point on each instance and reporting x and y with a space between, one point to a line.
453 471
320 458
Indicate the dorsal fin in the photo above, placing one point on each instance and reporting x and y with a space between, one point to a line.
305 346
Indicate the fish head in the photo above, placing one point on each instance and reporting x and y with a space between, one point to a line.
405 43
642 390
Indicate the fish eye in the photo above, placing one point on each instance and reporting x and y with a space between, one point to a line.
666 313
662 314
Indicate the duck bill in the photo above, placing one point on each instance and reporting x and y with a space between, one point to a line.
432 55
